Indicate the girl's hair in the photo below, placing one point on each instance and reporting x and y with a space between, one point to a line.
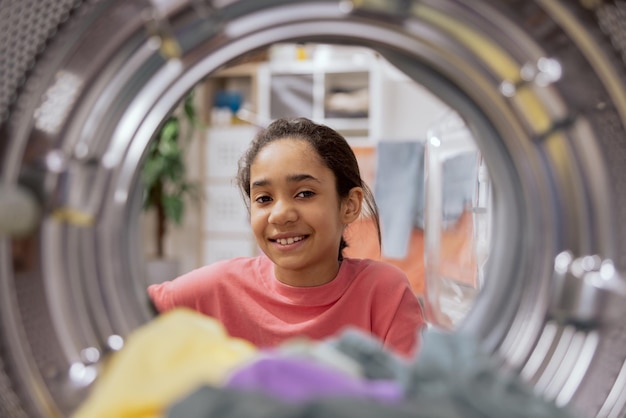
332 148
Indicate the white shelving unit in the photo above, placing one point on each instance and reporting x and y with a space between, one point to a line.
225 229
348 72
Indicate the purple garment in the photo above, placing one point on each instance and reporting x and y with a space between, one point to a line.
298 379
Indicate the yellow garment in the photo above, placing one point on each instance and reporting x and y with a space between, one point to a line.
161 362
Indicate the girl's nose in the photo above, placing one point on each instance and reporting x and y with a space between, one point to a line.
282 212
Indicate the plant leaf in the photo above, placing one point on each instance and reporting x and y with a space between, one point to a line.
169 131
163 174
174 207
190 109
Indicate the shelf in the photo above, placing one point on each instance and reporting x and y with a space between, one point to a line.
347 124
332 89
311 67
242 70
236 86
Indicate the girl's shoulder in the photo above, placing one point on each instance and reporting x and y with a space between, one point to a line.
375 269
235 263
232 268
376 280
370 263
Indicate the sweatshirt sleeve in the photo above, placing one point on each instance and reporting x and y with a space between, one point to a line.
408 321
161 296
184 291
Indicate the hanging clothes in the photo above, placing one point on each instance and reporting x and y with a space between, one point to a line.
399 193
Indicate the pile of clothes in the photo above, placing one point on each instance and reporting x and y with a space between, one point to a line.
184 365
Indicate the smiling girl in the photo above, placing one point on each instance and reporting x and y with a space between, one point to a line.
302 185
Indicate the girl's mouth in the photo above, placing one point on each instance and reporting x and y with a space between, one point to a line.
290 240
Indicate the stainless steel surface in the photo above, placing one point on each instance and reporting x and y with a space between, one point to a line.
587 291
540 83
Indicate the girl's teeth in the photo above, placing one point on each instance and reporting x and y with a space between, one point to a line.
288 240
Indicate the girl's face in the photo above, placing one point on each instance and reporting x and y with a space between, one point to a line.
296 214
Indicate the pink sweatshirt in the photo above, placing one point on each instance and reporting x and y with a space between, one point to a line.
252 304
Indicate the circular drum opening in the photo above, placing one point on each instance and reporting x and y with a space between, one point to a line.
538 85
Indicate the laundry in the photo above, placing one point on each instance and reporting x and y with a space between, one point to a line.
451 377
459 185
182 365
347 103
213 402
295 379
452 371
161 362
374 360
400 191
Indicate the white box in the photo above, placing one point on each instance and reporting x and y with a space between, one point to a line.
224 209
225 146
216 249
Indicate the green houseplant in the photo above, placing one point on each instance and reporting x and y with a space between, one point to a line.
164 173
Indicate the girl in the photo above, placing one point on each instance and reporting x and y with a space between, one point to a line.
302 186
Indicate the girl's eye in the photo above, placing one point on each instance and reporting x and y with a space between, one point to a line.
305 193
262 199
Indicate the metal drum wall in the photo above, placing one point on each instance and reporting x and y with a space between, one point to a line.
85 84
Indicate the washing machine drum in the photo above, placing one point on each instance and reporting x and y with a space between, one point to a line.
85 84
